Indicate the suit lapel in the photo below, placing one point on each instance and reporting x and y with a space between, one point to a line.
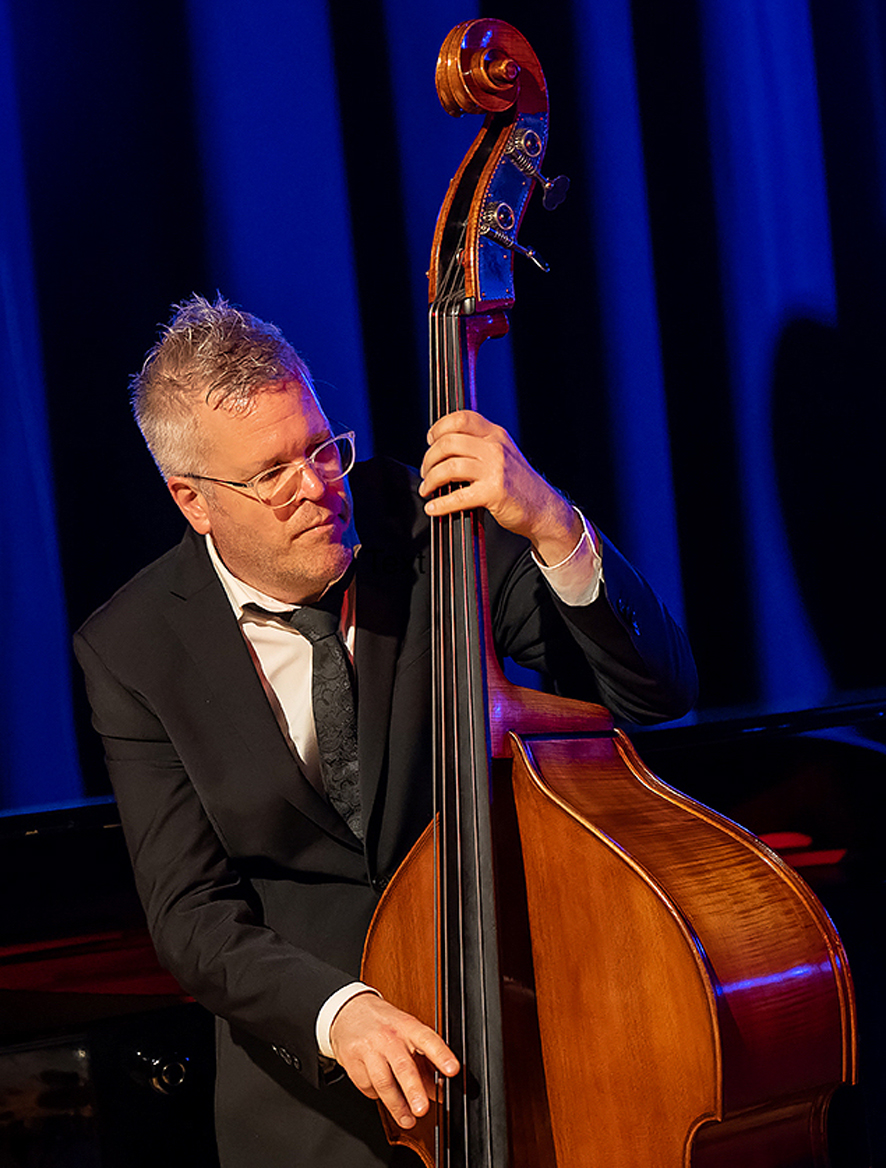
392 530
380 621
202 618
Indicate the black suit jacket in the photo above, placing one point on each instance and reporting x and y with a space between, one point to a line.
256 893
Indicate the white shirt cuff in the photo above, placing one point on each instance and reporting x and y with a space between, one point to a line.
331 1007
577 579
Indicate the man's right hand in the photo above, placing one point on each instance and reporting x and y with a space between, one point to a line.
390 1056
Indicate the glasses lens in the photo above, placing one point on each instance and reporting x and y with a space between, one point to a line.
330 461
334 458
279 486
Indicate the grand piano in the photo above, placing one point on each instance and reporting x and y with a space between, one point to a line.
105 1062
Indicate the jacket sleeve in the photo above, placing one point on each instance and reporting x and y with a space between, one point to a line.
204 916
624 650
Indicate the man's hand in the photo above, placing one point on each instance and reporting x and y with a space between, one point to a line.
389 1055
466 449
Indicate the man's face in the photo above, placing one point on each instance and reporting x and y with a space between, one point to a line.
292 553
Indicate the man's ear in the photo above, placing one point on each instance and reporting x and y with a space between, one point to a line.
190 502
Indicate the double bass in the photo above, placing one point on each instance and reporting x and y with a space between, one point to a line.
628 978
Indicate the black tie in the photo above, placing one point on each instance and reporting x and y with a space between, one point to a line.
335 720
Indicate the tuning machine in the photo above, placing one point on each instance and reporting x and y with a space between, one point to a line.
524 149
498 223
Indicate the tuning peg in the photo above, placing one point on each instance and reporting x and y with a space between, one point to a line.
497 223
524 149
555 191
532 254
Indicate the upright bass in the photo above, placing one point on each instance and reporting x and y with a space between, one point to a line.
628 978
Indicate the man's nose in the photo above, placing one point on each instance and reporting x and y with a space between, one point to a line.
313 485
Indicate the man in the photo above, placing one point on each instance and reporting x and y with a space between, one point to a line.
257 891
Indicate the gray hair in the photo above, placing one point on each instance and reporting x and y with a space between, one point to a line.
211 352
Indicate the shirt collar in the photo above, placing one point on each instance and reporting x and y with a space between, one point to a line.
239 593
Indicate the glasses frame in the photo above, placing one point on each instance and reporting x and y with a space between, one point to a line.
310 461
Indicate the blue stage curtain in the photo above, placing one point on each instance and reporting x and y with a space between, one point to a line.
622 248
702 369
38 758
278 220
776 266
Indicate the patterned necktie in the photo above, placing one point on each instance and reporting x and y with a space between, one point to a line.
335 720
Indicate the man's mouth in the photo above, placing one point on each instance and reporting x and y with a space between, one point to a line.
326 520
318 524
323 521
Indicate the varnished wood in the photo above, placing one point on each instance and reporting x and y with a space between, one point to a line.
709 982
405 913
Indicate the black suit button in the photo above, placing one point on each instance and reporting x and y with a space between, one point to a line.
382 883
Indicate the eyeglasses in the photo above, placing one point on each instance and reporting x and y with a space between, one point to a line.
280 485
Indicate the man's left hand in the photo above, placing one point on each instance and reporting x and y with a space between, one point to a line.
483 464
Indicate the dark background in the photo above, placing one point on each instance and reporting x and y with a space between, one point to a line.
702 369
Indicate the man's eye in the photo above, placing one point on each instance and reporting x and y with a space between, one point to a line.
326 453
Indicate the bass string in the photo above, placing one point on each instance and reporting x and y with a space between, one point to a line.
463 775
450 529
441 566
471 785
454 576
446 834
